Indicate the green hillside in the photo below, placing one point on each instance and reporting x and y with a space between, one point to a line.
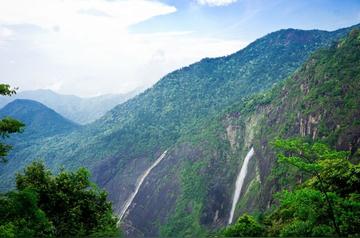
40 120
319 102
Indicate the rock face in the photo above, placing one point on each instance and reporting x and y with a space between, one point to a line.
157 197
308 126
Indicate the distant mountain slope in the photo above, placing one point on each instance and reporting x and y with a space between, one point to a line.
171 116
79 110
40 121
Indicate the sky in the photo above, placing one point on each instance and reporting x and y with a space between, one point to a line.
94 47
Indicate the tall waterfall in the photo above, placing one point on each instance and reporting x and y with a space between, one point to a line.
239 183
140 181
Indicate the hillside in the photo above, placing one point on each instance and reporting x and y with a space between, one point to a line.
40 121
180 114
77 109
319 102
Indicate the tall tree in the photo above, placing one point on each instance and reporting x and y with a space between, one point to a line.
74 205
8 125
334 182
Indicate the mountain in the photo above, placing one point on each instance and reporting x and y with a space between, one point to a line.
319 102
40 121
189 192
77 109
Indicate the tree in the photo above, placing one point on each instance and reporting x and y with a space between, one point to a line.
47 205
334 181
6 90
304 156
20 216
246 226
8 125
74 205
302 213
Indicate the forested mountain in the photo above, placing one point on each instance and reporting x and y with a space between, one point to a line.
187 113
40 120
77 109
319 102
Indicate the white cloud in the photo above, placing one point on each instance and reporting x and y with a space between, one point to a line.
55 86
5 34
216 2
65 13
84 46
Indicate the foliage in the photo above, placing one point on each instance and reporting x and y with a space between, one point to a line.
20 216
245 226
303 213
305 155
338 175
6 90
65 205
328 203
185 221
8 125
45 205
299 213
73 205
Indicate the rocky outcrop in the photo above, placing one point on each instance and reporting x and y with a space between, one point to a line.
308 126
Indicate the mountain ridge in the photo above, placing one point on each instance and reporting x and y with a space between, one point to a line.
40 121
78 109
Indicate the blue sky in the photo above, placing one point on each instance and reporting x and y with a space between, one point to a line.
251 19
93 47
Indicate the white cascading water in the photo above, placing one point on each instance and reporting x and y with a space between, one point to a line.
138 185
239 183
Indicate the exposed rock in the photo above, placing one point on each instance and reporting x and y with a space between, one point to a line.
231 135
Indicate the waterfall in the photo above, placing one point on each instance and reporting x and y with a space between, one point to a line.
140 181
239 183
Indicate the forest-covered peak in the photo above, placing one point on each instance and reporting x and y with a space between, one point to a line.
40 120
22 104
352 40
